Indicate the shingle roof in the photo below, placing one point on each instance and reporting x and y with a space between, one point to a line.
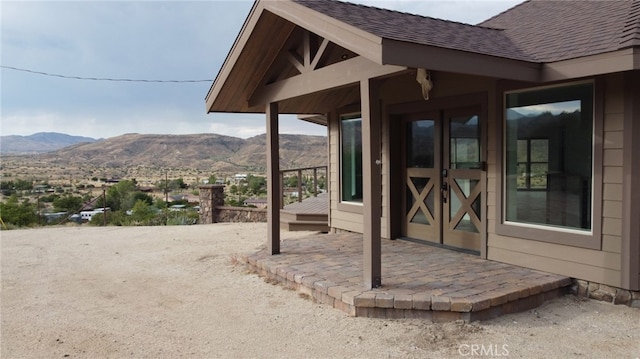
394 25
536 30
559 30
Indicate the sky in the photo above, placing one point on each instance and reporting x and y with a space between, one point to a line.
142 40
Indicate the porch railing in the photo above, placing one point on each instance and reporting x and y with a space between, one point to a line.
314 171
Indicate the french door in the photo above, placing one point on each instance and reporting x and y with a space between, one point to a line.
444 179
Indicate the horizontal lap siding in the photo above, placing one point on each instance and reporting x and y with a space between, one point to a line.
602 266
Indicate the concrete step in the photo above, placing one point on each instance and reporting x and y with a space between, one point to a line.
317 226
293 216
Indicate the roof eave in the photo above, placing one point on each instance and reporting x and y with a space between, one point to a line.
342 34
616 61
457 61
347 36
233 55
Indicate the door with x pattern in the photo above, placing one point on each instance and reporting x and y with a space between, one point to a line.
444 180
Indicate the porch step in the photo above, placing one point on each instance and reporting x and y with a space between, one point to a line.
292 221
310 214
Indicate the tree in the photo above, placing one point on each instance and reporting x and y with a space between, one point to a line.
67 203
141 196
160 203
292 181
142 213
18 214
119 195
257 184
179 183
22 185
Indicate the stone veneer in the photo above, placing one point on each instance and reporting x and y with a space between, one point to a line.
213 210
606 293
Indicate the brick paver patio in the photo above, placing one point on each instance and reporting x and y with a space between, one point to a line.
418 281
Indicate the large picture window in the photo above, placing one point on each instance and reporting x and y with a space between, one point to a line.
548 167
351 158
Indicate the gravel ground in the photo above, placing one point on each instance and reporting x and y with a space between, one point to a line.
173 292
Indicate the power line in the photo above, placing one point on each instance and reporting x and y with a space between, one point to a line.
99 78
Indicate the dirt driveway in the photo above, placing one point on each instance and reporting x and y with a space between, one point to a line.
172 292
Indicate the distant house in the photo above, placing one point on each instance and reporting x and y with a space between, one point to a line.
190 198
40 188
86 216
256 202
88 206
517 139
239 178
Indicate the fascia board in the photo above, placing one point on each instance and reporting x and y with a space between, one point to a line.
347 36
610 62
435 58
234 54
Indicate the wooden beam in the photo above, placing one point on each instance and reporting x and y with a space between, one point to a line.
339 32
319 53
306 46
296 60
273 180
336 75
371 183
440 59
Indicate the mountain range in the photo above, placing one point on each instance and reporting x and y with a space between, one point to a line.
209 152
40 142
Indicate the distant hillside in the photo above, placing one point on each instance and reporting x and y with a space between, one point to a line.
39 142
208 152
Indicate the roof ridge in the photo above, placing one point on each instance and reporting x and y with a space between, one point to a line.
496 15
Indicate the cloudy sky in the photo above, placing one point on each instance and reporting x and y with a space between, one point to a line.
159 40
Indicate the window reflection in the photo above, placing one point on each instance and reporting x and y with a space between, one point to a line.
549 135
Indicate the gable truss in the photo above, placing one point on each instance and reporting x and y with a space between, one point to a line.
308 63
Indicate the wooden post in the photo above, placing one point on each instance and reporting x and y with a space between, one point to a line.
315 181
104 205
371 172
282 190
299 185
274 196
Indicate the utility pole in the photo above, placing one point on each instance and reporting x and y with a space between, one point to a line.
38 209
166 187
104 205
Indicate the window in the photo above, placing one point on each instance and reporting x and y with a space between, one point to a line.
533 164
548 158
351 158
